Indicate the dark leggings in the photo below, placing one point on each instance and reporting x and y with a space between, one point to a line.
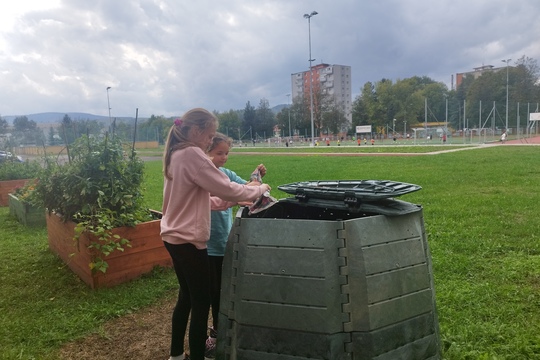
216 263
191 267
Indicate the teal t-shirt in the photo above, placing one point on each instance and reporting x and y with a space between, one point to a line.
221 222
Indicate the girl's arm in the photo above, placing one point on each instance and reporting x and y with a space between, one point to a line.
217 204
218 184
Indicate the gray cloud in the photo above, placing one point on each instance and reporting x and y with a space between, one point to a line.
165 57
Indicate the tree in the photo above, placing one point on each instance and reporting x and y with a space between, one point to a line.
436 94
3 125
67 132
155 128
525 80
26 132
282 121
51 137
124 130
265 120
380 103
72 129
21 123
250 118
334 120
484 91
301 116
229 123
360 115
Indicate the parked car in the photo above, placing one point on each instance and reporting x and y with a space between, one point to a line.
6 155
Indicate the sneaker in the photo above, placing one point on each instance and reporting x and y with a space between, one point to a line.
210 351
185 357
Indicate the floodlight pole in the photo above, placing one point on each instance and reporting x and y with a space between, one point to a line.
109 105
289 105
308 17
507 61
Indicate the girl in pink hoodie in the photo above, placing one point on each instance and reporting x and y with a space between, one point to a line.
193 186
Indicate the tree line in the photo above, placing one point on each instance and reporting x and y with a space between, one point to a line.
26 132
386 105
416 100
397 105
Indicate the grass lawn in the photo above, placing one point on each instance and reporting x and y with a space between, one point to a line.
481 217
405 147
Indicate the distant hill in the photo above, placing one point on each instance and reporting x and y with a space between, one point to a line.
278 108
56 117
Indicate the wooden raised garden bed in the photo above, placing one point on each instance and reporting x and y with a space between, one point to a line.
7 187
146 252
26 213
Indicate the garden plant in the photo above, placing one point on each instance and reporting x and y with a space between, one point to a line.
99 188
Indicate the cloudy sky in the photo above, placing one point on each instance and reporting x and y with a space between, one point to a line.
167 56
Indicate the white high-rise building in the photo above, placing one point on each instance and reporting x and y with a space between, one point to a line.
333 81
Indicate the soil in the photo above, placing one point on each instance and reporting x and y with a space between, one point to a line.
141 335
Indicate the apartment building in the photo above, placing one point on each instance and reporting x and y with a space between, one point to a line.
332 81
476 73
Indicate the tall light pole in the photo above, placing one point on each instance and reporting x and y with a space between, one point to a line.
446 114
289 105
109 104
405 129
308 17
507 61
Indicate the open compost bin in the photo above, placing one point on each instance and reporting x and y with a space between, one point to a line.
340 270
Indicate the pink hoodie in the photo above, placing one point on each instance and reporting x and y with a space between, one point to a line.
186 198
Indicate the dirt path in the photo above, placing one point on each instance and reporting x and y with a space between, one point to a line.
142 335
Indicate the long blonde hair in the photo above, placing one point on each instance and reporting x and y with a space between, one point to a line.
193 123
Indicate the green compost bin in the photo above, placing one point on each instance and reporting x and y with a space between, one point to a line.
340 270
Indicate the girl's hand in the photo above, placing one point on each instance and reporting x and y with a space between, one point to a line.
262 169
266 187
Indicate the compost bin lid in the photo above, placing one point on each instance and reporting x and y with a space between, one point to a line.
349 190
352 196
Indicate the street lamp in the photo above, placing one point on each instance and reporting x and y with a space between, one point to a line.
507 61
288 103
109 104
308 17
405 129
446 114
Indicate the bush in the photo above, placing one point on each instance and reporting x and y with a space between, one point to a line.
15 170
99 188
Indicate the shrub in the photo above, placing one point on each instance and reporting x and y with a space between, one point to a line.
15 170
99 188
27 192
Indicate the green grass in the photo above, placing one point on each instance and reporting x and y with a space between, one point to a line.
404 147
481 217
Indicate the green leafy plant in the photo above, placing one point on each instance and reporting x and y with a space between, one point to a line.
27 192
99 188
15 170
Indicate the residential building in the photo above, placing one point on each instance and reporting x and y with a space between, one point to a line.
332 81
476 73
